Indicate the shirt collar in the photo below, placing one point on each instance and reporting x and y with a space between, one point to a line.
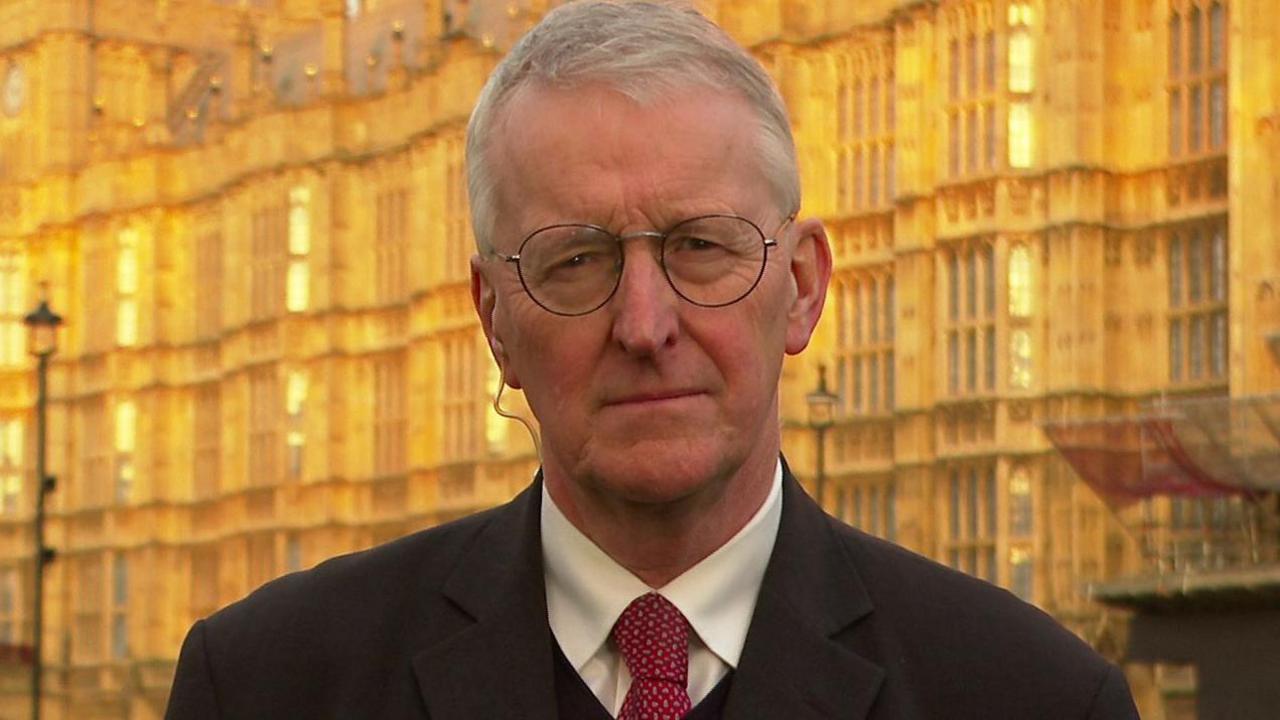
587 590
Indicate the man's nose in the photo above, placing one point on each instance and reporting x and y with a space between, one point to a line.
645 305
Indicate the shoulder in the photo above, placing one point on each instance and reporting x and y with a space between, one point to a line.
370 602
953 640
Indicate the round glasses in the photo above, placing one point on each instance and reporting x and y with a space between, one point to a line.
710 260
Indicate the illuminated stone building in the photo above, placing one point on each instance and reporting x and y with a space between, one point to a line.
252 214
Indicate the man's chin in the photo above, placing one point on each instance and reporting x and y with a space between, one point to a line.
658 472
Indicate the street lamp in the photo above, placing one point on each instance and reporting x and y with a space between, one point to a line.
822 406
42 342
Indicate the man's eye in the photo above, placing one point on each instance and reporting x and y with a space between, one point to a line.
694 243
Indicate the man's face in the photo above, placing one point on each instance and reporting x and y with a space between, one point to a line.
650 398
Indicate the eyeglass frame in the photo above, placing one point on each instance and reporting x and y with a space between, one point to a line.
767 241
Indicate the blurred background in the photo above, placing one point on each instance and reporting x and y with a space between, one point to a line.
236 335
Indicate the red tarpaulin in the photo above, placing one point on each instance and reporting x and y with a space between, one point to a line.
1127 459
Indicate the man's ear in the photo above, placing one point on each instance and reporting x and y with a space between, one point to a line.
485 299
811 272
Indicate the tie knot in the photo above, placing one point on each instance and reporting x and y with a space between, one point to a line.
653 637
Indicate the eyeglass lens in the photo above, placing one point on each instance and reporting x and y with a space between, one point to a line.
574 269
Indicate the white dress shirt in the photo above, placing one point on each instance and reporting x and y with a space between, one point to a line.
587 592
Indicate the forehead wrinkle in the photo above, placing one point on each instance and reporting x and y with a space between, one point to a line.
627 175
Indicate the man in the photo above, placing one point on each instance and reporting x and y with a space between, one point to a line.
641 274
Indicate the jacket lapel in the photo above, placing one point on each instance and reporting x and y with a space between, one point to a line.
792 665
499 665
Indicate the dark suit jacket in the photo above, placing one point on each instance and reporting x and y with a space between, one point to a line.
451 624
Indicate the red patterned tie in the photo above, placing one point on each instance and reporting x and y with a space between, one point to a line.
653 637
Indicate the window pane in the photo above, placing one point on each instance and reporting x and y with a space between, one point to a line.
857 109
953 145
1217 36
972 62
1194 31
1021 135
1195 118
1175 46
890 512
1020 281
1217 114
873 381
1195 343
1175 350
971 144
1218 267
1218 345
127 322
1195 269
989 62
954 84
298 289
989 493
953 363
873 107
973 504
1175 123
888 381
873 505
989 280
1175 271
873 314
1020 519
970 284
857 178
873 177
1021 575
856 291
1020 367
953 282
857 383
955 505
1021 62
888 309
971 361
989 358
989 135
889 181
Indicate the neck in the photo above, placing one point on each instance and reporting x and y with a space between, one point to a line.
658 542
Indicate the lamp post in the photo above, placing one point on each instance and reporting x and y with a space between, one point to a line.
42 342
822 404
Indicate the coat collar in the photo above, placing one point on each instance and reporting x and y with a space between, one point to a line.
792 665
500 666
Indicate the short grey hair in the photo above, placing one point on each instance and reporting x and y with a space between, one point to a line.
644 50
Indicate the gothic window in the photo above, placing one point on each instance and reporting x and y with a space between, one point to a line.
265 430
298 284
971 508
391 244
127 288
268 251
119 616
207 287
126 438
970 330
11 465
9 606
1197 316
13 307
1197 77
207 440
295 405
390 426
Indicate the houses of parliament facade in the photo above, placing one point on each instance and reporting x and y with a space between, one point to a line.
252 216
